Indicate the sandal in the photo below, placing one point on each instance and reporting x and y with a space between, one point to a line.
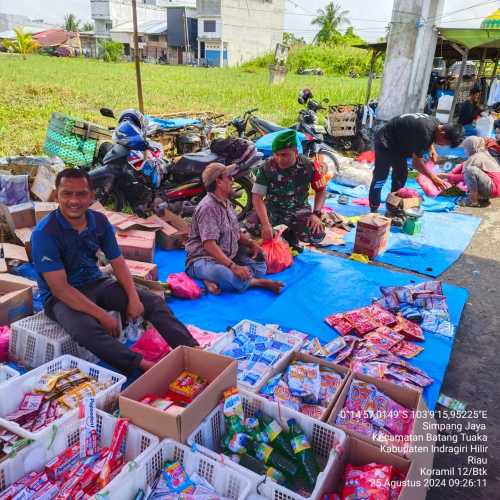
465 202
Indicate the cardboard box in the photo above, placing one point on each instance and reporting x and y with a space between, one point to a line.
43 209
174 231
372 234
307 358
143 270
19 216
24 236
44 187
16 298
406 397
219 371
358 453
14 252
396 203
137 245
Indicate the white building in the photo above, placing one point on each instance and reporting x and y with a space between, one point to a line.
231 32
107 14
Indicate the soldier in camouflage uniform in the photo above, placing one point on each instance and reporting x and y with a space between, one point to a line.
281 191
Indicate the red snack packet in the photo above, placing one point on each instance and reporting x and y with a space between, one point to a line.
368 481
409 329
361 321
383 337
188 385
62 463
112 454
396 483
381 315
406 349
339 323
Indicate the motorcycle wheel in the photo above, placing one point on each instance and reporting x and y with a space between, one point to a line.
114 200
242 196
328 159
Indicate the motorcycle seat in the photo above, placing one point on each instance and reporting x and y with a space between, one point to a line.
270 126
202 157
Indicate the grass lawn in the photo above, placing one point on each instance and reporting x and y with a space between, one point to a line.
31 90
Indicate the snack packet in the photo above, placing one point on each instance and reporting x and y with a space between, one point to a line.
188 384
304 380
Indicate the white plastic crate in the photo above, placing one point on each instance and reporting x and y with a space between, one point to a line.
227 481
7 373
251 327
135 448
12 392
37 339
326 441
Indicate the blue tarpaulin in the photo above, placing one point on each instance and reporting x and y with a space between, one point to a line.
173 122
438 204
443 239
316 285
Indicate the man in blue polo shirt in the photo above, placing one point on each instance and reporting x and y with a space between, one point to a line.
76 294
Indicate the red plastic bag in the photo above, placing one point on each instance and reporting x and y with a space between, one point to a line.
151 346
183 286
277 254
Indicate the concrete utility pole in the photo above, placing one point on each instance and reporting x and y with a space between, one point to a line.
409 57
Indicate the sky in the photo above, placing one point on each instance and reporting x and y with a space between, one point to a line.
369 17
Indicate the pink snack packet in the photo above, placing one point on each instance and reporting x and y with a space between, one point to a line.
88 427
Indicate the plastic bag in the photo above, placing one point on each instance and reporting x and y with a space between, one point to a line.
277 254
183 286
4 343
152 346
429 187
14 189
354 174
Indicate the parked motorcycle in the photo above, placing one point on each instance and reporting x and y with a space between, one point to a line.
135 173
252 127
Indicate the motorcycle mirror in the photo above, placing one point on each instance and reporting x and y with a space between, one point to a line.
107 112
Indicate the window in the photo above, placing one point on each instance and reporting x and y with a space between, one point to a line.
209 26
154 38
109 26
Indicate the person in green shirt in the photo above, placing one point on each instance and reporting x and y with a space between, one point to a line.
281 191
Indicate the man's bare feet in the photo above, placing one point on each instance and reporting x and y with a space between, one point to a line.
146 365
212 287
273 286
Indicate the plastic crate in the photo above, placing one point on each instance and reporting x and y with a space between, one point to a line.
135 448
251 327
37 339
227 481
327 443
7 373
12 391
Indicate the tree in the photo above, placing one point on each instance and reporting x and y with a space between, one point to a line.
291 40
351 38
24 43
88 27
329 20
71 23
111 51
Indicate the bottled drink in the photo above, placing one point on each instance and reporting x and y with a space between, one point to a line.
254 430
273 458
277 436
304 453
251 463
276 476
237 442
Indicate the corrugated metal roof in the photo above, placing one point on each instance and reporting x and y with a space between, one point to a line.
53 37
147 28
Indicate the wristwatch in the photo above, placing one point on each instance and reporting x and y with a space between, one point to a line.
318 213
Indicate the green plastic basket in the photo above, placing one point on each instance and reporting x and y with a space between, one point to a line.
61 140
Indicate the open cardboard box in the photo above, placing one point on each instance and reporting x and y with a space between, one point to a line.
16 298
174 232
406 397
219 371
24 236
19 216
398 203
144 270
358 452
282 365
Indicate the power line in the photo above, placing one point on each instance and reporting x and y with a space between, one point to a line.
461 10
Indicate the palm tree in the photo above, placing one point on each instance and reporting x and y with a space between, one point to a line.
24 43
88 27
329 20
71 23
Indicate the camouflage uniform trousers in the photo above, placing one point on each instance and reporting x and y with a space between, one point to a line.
296 222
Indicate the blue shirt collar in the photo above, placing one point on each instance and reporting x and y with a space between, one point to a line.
66 225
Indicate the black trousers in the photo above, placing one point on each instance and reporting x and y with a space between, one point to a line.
108 294
384 160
